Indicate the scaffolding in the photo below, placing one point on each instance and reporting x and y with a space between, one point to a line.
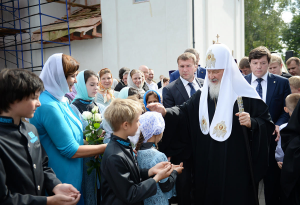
14 36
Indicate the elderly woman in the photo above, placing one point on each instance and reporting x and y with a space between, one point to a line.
105 93
59 128
135 80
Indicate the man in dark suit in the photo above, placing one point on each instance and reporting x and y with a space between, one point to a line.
273 90
176 93
200 72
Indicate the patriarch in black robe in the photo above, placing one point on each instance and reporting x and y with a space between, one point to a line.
221 167
290 173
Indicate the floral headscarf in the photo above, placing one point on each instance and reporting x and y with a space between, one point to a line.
152 123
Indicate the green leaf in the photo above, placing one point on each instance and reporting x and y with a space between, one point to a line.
86 132
100 132
89 170
96 125
90 163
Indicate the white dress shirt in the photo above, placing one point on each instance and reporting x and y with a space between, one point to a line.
264 84
152 86
187 87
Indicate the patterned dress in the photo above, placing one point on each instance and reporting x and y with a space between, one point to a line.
147 158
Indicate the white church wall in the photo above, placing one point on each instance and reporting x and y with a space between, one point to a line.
153 33
225 18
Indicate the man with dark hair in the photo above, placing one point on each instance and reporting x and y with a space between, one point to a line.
24 173
123 74
244 66
273 90
293 65
199 73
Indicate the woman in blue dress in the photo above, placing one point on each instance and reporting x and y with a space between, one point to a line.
59 128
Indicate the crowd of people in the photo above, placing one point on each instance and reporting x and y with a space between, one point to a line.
206 135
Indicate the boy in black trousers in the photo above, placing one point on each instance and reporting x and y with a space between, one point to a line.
121 180
24 173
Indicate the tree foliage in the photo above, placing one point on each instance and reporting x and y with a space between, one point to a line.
263 24
291 35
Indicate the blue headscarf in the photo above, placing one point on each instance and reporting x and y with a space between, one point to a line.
80 87
145 100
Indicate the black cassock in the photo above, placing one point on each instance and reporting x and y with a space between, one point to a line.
290 174
221 169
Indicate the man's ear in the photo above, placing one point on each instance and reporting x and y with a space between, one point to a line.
286 109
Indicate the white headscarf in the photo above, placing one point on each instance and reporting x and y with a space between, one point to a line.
152 123
131 84
233 85
54 78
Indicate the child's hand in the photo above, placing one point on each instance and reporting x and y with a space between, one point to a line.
178 168
164 173
280 164
158 167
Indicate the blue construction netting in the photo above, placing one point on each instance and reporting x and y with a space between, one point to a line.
14 37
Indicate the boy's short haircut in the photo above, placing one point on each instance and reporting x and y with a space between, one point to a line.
275 59
295 81
291 101
120 111
244 62
259 52
17 84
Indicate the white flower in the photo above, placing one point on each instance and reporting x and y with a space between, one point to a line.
97 117
87 115
95 110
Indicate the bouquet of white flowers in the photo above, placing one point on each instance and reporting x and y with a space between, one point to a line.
93 136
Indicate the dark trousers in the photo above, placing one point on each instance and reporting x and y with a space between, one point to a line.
184 181
272 186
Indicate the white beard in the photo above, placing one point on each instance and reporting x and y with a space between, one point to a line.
214 89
